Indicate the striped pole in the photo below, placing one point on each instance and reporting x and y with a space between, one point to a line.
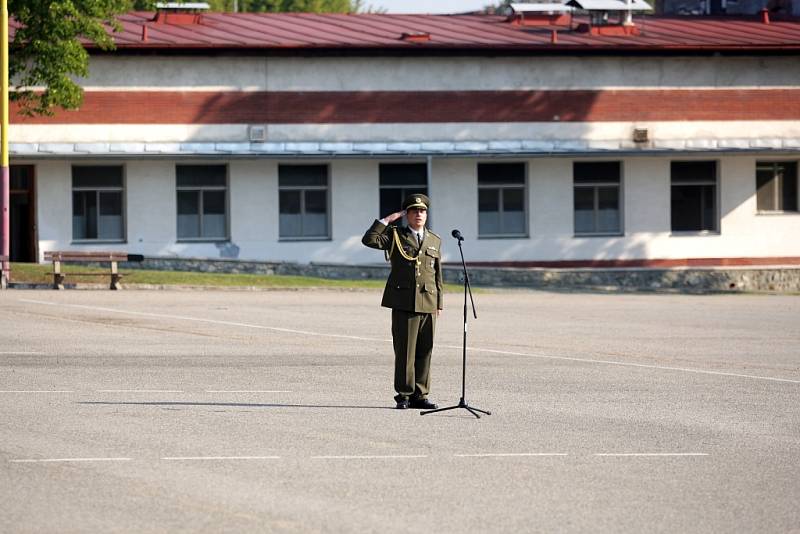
5 195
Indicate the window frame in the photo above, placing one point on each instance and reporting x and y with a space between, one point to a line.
122 189
619 184
201 189
715 181
405 191
778 188
302 188
501 187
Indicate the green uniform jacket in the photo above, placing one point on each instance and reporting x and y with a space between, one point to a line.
414 286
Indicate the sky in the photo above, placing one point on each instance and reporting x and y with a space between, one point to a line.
428 6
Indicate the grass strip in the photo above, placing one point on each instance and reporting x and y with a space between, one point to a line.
34 273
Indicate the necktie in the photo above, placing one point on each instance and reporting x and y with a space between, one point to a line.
419 239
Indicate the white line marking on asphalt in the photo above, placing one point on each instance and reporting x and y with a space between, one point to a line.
34 391
509 454
628 364
628 454
54 460
190 458
138 391
247 391
368 457
204 320
361 338
4 352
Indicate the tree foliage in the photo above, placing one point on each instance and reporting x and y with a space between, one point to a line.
46 52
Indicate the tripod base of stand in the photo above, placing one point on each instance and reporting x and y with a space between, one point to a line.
461 404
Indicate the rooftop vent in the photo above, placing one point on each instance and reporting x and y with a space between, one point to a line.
600 12
180 13
545 14
416 37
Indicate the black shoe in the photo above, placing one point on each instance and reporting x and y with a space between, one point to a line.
423 404
402 404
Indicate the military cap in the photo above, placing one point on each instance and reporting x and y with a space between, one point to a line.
417 200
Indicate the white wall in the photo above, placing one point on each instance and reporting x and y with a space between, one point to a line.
426 74
253 214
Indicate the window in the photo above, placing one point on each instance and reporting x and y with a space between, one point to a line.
202 201
397 181
694 196
501 200
97 203
776 186
303 199
597 197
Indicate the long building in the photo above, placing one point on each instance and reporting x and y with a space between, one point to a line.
547 140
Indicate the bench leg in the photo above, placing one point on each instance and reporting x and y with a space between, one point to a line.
115 277
58 277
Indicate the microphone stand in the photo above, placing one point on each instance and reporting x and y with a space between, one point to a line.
467 291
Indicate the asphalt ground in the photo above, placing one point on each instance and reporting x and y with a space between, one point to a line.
272 411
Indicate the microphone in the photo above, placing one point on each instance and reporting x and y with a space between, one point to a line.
457 235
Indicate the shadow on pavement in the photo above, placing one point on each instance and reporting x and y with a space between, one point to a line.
236 405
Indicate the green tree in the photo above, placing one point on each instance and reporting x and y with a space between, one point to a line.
46 52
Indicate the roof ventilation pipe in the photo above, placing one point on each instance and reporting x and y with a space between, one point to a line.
180 13
599 21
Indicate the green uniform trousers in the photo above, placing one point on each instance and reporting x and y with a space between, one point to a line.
412 335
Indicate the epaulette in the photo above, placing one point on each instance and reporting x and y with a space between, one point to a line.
434 234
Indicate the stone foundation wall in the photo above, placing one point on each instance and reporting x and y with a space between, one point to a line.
696 280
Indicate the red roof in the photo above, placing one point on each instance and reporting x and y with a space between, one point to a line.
446 32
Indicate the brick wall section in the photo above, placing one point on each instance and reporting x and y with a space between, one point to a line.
171 107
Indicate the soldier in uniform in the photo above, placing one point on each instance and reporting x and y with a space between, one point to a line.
414 293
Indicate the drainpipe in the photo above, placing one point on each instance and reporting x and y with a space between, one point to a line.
5 196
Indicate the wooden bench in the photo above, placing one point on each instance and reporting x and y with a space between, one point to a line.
3 273
113 258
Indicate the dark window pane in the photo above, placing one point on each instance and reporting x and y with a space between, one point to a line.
110 203
501 173
316 201
315 219
694 171
766 187
109 223
201 175
188 202
390 201
608 219
709 210
214 222
84 215
97 176
299 175
790 187
513 200
596 171
214 202
403 174
488 200
289 202
693 208
584 210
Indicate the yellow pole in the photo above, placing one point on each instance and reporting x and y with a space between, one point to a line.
5 197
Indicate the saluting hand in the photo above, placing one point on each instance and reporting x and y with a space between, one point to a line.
394 216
